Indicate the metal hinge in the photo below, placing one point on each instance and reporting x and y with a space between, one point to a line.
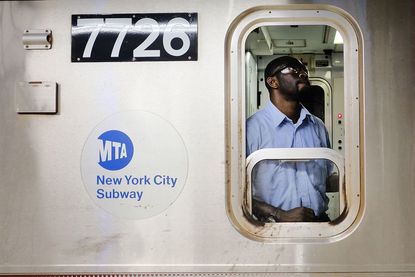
37 39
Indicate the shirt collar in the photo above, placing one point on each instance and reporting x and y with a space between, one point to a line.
278 117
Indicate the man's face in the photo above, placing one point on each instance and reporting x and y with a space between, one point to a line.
293 80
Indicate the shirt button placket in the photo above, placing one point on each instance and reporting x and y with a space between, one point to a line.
293 131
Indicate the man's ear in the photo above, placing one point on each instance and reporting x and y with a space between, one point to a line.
273 82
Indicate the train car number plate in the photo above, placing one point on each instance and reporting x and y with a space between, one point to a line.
134 37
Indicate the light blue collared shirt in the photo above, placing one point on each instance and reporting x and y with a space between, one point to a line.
286 184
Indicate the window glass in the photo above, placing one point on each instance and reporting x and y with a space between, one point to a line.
286 185
313 45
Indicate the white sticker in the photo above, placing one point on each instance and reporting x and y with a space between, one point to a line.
134 164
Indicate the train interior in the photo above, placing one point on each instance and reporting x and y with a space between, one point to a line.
320 48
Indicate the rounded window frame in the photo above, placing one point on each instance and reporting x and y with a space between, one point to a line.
236 174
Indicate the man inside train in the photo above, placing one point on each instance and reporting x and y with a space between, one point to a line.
287 191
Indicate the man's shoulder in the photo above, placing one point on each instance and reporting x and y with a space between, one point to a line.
257 117
320 127
256 120
256 129
318 121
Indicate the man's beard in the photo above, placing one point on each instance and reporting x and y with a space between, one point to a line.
304 88
296 92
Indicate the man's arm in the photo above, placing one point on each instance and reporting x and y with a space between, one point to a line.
263 211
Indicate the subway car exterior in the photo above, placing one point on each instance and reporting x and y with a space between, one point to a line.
122 137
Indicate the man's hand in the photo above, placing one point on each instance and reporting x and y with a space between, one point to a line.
300 214
263 211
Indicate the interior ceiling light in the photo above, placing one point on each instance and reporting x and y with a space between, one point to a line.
338 38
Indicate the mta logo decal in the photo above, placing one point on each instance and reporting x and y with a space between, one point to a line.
115 150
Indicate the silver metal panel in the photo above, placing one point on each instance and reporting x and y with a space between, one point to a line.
48 222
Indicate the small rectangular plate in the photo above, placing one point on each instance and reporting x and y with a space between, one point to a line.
288 43
36 97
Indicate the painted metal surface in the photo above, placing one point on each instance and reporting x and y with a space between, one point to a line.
48 221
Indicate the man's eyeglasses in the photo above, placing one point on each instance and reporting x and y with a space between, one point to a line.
290 70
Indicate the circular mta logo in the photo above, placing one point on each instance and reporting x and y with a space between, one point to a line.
134 164
115 150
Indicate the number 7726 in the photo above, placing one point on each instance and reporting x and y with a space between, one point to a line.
175 29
